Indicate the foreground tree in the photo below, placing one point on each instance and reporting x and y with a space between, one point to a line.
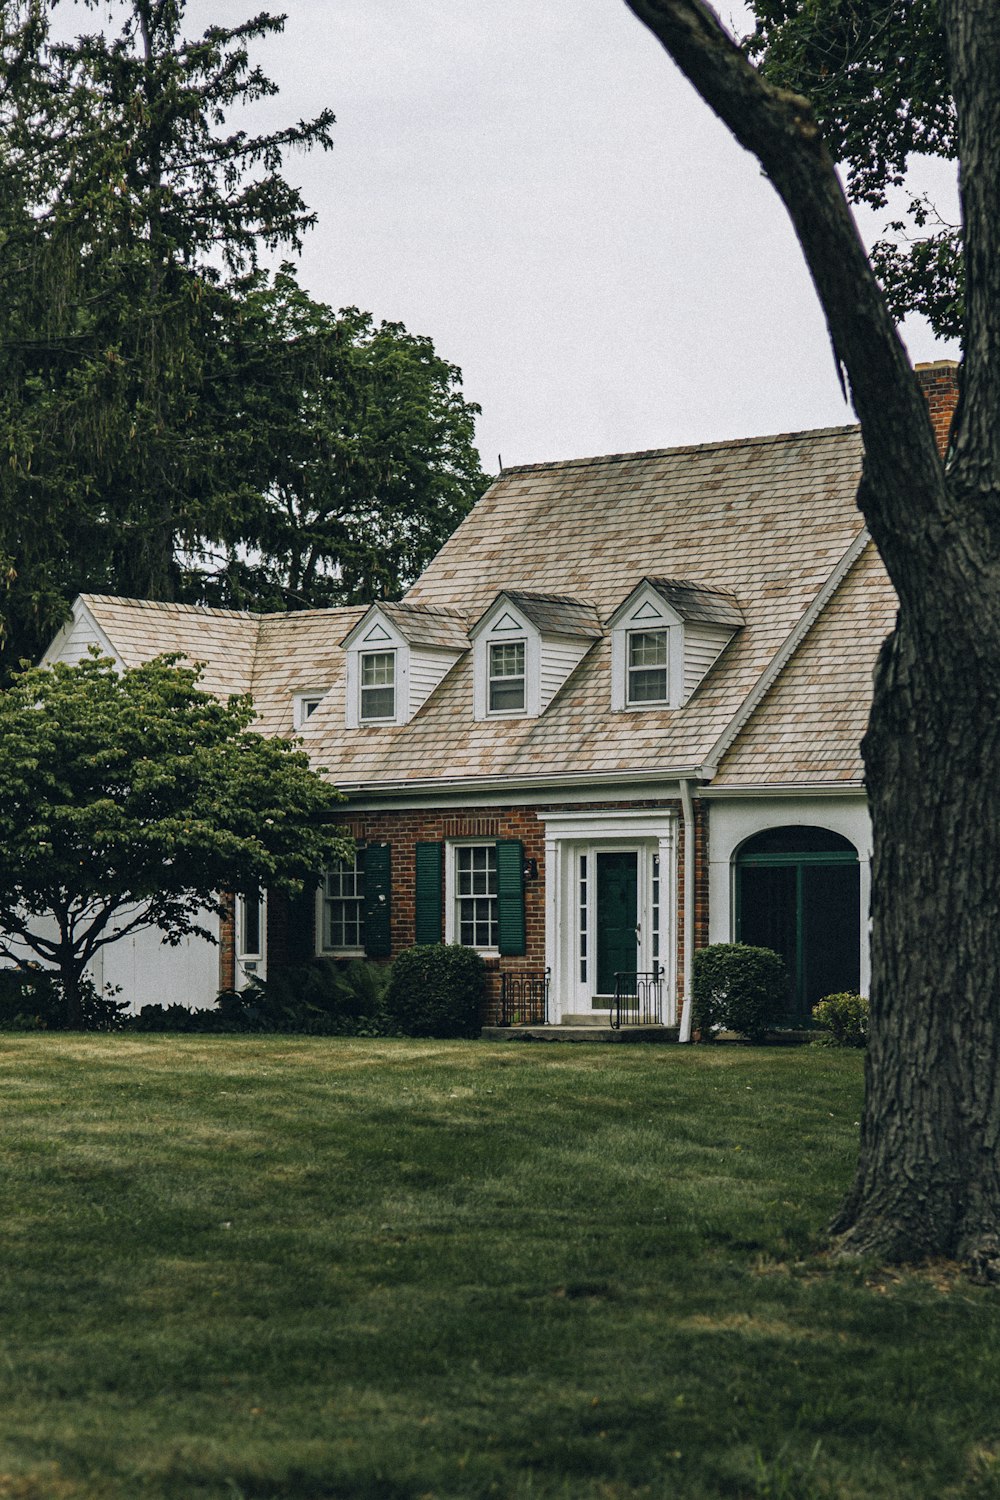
876 74
357 454
928 1179
131 800
164 404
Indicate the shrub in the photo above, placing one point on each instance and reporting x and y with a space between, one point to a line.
843 1020
321 998
436 990
740 988
31 999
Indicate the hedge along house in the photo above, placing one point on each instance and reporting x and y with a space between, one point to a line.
616 718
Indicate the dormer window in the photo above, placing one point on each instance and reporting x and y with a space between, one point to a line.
665 638
395 657
305 705
647 666
506 677
378 686
524 648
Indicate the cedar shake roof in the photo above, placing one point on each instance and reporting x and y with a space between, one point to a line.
694 602
551 614
809 726
745 532
426 625
225 640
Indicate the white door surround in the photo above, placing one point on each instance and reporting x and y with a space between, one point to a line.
572 841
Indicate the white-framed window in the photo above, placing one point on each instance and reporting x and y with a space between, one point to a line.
648 667
377 686
471 893
506 677
342 906
304 705
251 936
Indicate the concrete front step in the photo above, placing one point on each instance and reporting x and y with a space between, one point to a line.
587 1032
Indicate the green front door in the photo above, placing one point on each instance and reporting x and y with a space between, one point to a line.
617 914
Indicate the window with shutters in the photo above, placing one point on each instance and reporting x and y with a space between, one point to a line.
343 906
476 922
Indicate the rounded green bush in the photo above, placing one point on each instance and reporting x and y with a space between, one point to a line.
843 1019
738 988
436 990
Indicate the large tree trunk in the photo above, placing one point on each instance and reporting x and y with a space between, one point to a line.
928 1180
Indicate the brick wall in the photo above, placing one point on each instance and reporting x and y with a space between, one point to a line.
404 828
939 382
700 894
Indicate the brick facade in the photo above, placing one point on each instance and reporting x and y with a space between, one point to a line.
939 383
291 941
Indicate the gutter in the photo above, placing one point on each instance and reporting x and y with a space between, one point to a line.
687 808
460 785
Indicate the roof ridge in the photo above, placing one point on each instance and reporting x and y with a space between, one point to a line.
721 443
171 604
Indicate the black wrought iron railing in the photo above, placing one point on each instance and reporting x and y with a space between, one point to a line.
638 998
524 998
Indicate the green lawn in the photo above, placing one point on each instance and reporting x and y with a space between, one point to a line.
260 1267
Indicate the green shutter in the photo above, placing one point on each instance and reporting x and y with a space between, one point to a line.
378 900
428 893
510 896
302 926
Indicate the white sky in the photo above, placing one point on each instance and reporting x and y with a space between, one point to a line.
535 186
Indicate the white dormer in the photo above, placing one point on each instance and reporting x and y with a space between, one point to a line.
524 648
664 639
396 656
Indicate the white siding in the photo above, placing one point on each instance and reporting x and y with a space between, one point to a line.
558 657
427 668
72 642
702 644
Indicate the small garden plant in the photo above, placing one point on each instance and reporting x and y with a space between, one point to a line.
843 1020
436 990
738 988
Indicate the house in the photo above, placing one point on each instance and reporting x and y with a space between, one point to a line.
616 718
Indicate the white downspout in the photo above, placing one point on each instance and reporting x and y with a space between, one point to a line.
687 807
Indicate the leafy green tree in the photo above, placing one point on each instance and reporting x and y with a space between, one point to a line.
928 1177
877 75
132 799
356 451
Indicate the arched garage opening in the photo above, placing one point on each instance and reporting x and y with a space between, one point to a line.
798 892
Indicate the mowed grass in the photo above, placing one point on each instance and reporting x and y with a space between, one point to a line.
259 1267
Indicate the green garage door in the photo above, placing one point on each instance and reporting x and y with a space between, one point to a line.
798 892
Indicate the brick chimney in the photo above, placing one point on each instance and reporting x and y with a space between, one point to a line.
939 382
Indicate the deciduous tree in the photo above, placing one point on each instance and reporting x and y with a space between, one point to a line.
928 1179
132 799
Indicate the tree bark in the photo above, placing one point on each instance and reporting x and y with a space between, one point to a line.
928 1178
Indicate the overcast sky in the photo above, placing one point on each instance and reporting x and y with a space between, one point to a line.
533 184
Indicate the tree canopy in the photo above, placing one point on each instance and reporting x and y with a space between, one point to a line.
170 409
132 798
877 76
928 1177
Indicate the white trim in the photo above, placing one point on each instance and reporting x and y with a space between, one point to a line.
451 898
645 610
647 831
82 615
731 825
505 624
299 717
250 965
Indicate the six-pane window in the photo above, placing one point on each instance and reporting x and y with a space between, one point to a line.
344 905
476 895
378 685
506 676
647 666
